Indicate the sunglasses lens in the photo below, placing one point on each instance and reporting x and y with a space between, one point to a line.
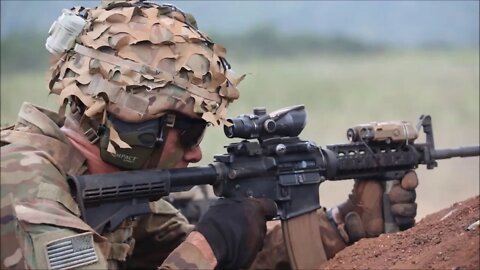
191 131
190 138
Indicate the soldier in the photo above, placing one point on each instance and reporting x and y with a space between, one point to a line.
141 84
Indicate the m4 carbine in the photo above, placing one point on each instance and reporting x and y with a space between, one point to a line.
277 165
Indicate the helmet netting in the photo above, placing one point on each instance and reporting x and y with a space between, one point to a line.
138 60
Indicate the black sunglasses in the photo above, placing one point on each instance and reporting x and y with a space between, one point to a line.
191 130
149 133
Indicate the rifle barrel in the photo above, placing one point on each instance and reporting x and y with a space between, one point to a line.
467 151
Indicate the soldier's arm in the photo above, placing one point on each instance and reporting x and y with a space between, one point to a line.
42 234
228 236
194 253
157 235
41 228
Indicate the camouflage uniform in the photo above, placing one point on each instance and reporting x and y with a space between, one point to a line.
134 60
38 210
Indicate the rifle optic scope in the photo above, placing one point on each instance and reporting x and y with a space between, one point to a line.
288 121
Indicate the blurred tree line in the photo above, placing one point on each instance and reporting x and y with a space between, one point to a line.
23 52
266 41
26 51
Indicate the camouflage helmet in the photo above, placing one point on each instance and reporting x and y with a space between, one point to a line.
138 60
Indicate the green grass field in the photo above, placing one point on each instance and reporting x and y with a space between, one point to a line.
341 91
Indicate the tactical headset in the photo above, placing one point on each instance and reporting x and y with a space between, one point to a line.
147 136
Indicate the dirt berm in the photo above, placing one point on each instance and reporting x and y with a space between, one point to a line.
447 239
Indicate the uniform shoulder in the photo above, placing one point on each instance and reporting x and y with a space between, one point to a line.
28 173
24 168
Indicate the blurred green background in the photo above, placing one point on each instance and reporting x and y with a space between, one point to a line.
348 62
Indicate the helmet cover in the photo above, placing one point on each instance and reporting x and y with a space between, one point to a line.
137 60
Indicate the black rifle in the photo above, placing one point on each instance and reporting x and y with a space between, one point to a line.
278 165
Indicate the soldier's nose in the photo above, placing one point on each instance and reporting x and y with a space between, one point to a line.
193 155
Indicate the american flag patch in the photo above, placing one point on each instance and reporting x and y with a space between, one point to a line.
71 252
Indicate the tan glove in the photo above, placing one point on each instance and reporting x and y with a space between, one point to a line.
358 217
402 199
367 209
274 254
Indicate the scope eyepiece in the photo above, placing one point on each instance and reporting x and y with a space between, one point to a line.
243 126
288 121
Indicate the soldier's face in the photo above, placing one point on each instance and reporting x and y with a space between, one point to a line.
175 155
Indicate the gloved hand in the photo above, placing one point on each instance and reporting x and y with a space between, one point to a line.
362 215
235 229
358 217
402 197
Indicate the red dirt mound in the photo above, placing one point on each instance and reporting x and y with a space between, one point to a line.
448 239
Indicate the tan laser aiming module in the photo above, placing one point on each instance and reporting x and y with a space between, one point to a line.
388 132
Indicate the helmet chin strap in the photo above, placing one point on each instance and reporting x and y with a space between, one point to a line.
167 123
157 153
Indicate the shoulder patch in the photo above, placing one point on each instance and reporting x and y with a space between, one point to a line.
71 252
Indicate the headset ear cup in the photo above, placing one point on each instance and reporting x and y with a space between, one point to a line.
141 138
126 158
